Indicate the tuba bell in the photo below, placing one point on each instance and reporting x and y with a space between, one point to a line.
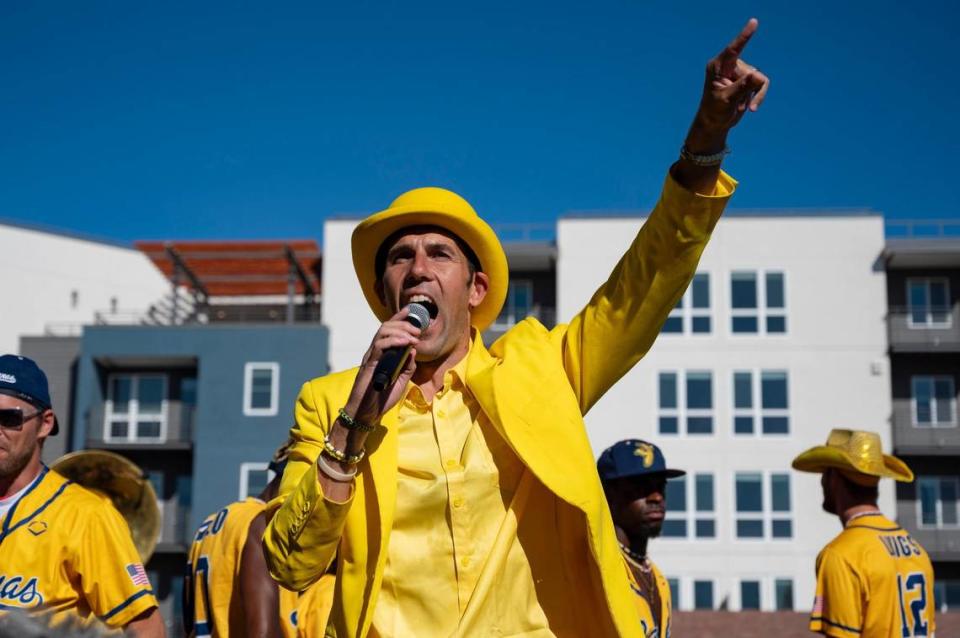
120 480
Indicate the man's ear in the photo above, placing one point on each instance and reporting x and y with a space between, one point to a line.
46 424
478 288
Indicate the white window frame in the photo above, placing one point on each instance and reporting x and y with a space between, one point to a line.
131 418
952 423
511 319
761 311
691 514
939 524
245 470
248 369
757 411
686 312
682 412
929 322
767 516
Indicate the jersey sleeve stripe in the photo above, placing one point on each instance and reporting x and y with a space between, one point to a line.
32 516
126 603
853 630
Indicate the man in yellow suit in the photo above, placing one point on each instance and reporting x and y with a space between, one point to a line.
462 498
873 580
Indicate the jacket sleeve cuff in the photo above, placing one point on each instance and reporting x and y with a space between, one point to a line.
303 536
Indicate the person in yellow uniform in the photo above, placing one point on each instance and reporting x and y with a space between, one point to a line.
874 580
227 591
462 499
54 533
634 474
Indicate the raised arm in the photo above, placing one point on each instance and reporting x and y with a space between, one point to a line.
624 316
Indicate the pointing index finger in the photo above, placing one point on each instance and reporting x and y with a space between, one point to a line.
737 45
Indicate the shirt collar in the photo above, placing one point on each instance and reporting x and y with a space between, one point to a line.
454 377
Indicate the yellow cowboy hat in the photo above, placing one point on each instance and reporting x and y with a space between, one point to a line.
858 454
432 207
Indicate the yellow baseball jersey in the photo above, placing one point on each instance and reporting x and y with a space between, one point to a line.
873 581
647 624
313 608
66 549
214 606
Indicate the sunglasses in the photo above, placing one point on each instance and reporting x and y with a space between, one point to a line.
13 418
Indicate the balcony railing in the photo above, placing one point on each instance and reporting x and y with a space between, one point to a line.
909 330
179 425
941 439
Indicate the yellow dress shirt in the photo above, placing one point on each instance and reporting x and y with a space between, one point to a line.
452 467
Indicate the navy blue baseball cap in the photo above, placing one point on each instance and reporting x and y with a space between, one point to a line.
633 457
22 378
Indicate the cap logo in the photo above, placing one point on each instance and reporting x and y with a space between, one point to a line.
644 450
7 378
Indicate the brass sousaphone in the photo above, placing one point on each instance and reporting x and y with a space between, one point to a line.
120 480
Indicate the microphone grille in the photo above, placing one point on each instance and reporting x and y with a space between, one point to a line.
419 315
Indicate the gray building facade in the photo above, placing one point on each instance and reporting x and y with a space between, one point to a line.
200 408
923 320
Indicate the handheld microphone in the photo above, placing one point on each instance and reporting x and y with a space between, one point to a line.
394 359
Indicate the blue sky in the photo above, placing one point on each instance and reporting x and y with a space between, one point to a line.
131 120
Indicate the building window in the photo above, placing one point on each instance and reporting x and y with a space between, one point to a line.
518 305
763 513
686 400
934 401
703 594
938 500
684 521
674 584
947 595
754 308
770 412
750 594
928 302
261 387
253 479
783 592
691 315
136 408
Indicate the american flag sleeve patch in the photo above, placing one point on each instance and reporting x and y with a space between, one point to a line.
137 574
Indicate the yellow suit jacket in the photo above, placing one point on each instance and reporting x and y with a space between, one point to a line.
535 385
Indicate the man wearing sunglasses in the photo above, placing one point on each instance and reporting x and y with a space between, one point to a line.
63 549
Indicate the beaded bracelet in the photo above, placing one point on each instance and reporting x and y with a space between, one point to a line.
338 455
335 474
352 424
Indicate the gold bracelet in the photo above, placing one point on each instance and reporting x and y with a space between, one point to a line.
352 424
339 455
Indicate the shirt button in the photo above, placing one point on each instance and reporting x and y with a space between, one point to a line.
458 502
441 414
465 561
452 464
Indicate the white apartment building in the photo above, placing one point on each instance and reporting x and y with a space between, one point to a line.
780 338
56 282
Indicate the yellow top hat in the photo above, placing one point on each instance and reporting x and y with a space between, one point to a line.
858 454
432 207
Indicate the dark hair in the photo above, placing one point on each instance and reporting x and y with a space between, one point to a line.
380 262
868 494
